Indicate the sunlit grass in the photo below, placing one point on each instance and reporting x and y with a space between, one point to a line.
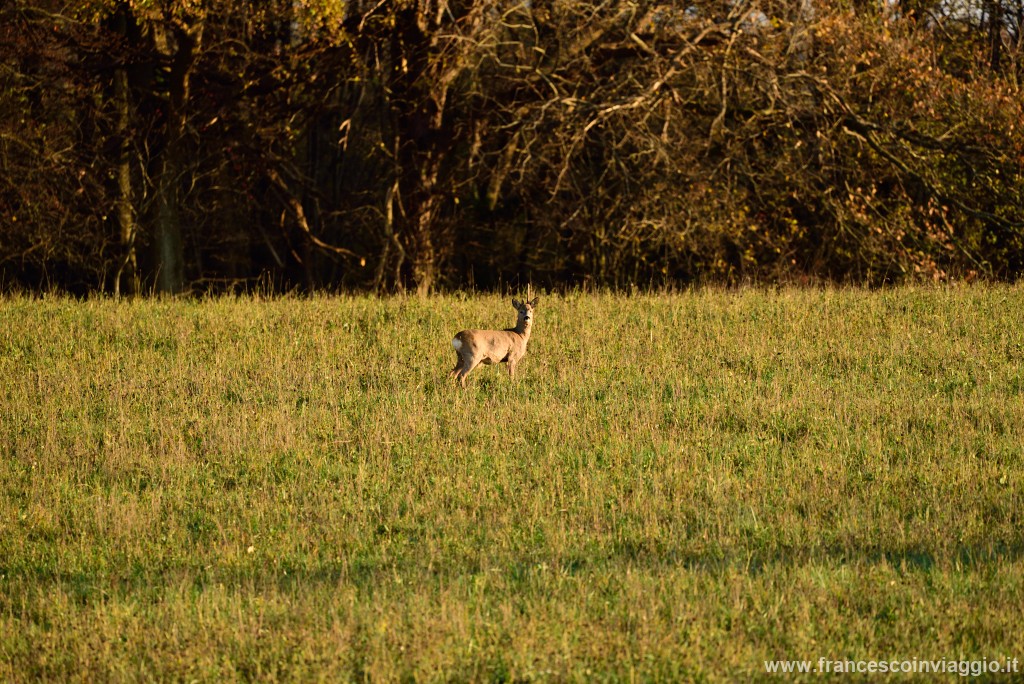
675 487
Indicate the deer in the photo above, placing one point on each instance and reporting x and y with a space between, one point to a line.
474 347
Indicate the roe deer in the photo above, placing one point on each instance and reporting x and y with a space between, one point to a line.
494 346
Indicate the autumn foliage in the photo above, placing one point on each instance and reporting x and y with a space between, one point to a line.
178 145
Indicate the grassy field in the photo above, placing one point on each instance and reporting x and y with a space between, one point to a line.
676 487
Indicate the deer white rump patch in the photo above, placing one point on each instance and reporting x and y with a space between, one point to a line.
457 343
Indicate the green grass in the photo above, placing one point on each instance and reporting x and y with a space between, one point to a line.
676 487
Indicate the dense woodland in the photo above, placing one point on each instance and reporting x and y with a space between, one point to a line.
207 145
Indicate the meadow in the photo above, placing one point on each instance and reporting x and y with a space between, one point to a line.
676 487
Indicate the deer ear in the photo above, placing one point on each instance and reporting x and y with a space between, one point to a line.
516 303
534 302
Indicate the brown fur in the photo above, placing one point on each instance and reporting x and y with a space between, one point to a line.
494 346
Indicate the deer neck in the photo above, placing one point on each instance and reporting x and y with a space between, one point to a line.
523 329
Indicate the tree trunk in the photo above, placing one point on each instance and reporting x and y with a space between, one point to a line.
994 15
124 209
421 138
424 262
168 245
168 242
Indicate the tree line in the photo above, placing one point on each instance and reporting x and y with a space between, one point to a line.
196 145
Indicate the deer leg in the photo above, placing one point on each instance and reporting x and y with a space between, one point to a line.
454 372
467 366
